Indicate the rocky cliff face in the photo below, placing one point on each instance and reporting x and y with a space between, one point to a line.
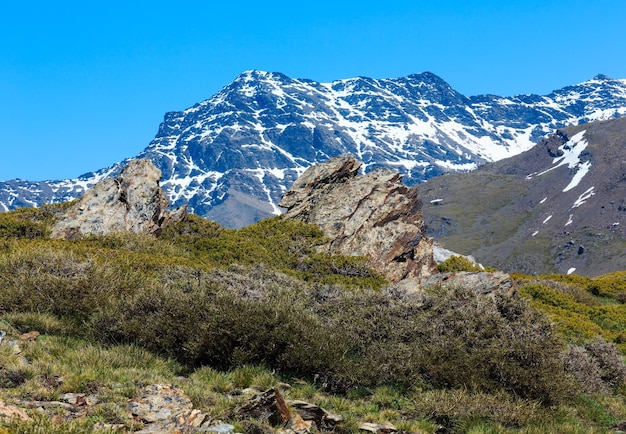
372 215
132 202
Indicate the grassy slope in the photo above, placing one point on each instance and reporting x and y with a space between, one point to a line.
98 301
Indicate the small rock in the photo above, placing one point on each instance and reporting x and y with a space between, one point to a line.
11 412
299 425
323 420
159 402
378 428
268 406
166 409
222 428
47 404
30 336
79 399
250 391
15 347
101 426
2 335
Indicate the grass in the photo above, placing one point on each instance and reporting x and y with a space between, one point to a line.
221 313
118 372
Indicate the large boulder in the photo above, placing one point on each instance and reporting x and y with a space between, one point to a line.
133 202
373 215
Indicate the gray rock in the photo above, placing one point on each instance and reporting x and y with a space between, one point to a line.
133 202
378 428
441 254
166 409
373 215
268 406
481 282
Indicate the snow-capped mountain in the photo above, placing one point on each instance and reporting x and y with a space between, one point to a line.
232 156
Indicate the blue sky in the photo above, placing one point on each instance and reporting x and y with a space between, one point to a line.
83 86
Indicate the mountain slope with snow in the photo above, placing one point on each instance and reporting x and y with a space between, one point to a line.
232 156
559 207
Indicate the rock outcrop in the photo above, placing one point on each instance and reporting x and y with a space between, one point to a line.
481 282
133 202
373 215
167 409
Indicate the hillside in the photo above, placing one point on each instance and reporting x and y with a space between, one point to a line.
559 207
208 318
232 156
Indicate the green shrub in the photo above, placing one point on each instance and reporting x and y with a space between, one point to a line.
223 321
226 319
579 315
458 263
29 223
41 278
455 409
450 339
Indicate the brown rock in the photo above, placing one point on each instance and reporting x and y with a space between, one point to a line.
11 412
298 425
373 215
133 202
323 420
30 336
268 406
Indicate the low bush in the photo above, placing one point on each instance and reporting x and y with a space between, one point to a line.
452 338
458 263
610 362
30 223
346 339
579 315
40 278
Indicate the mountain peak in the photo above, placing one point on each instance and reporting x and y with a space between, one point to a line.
428 78
602 77
232 156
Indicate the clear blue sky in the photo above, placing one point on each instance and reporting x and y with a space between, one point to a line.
83 86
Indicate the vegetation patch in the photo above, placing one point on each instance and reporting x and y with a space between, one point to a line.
218 311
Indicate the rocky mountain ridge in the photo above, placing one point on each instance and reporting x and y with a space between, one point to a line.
231 157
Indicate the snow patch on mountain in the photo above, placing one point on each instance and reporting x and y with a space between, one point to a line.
571 157
583 197
259 133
